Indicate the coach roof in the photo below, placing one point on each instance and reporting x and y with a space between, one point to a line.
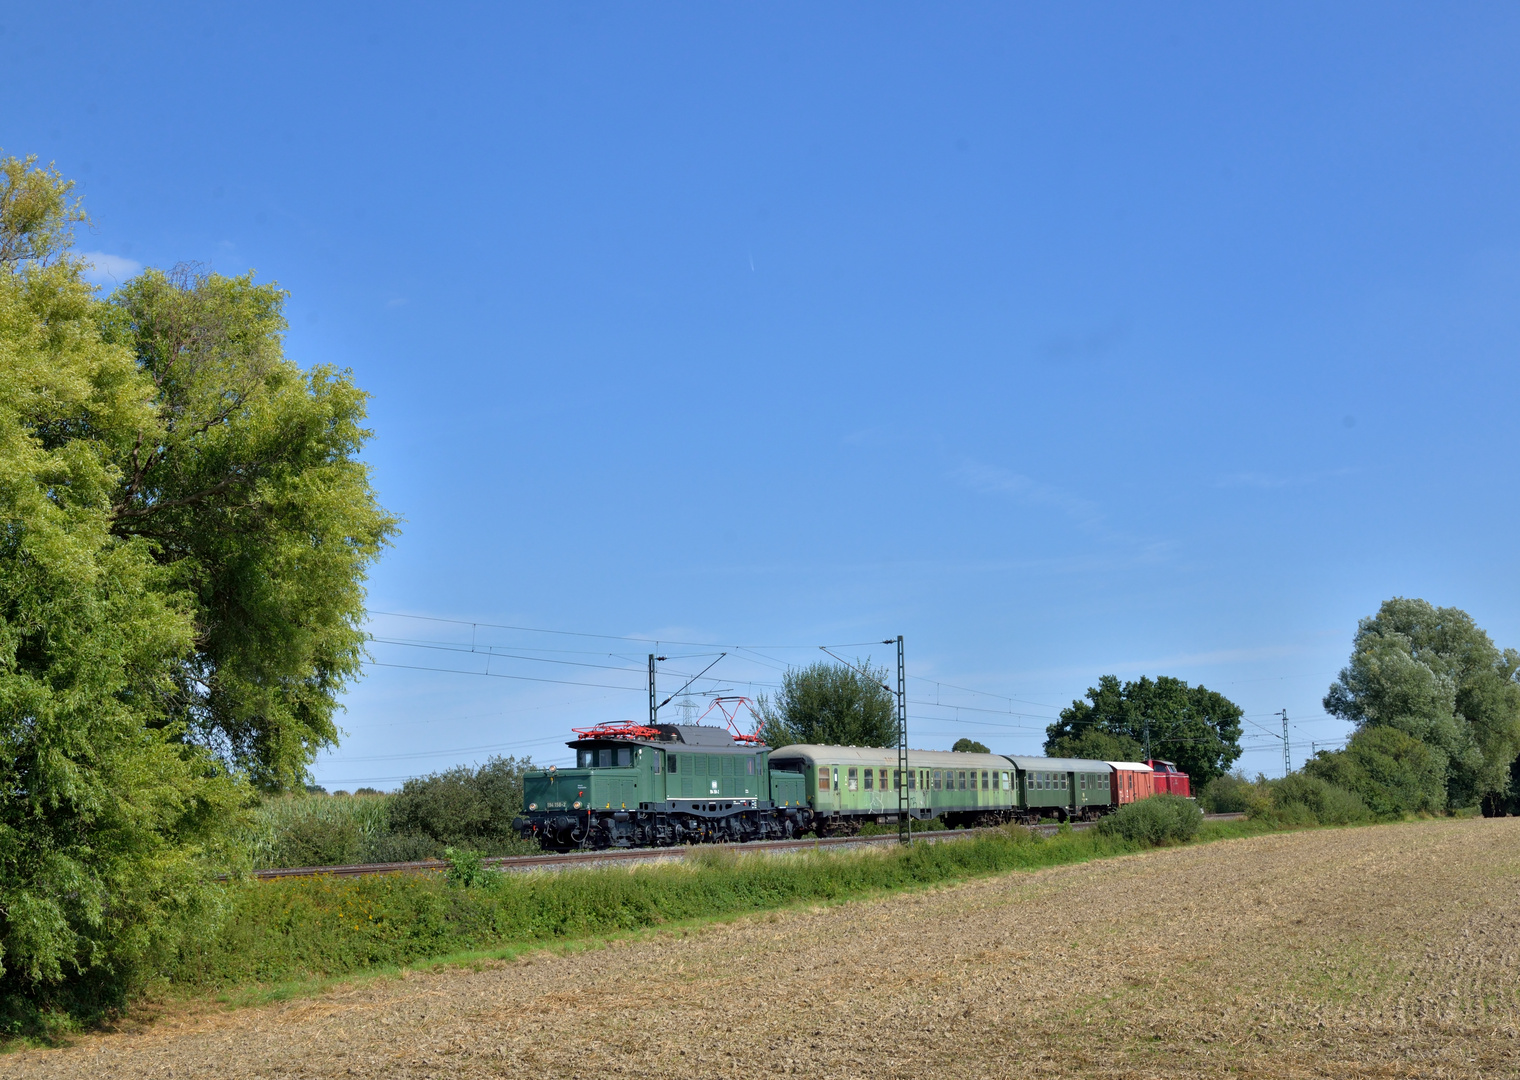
1059 764
815 754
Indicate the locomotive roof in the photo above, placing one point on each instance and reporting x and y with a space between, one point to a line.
1130 766
694 735
816 753
1059 764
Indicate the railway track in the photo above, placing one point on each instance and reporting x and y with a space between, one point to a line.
609 856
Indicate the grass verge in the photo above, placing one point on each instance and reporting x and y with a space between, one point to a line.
307 930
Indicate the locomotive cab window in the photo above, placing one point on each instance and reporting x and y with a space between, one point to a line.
624 756
584 759
604 758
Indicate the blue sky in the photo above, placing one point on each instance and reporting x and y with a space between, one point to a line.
1062 339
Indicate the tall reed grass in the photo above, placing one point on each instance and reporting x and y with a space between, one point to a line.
317 830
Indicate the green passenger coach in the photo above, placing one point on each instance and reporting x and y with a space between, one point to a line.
847 786
1063 788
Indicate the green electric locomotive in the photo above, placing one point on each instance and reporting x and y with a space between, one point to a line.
636 785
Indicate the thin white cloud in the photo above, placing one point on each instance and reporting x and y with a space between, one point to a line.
108 270
991 480
1269 481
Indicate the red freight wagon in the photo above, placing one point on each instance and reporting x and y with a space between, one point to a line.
1132 780
1169 779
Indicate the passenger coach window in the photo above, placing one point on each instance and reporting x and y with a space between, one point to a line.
912 779
823 778
984 779
961 779
935 780
854 776
870 778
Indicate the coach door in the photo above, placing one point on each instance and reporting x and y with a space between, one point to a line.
828 789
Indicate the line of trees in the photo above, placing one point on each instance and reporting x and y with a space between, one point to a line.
185 528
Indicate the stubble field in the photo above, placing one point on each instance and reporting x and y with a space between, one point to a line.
1377 952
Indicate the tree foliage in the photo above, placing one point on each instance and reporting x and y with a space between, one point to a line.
246 485
104 809
1433 674
1392 772
830 704
1193 726
1097 744
969 746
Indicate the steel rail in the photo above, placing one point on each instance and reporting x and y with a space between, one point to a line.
519 863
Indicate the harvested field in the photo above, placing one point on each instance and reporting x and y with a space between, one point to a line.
1378 952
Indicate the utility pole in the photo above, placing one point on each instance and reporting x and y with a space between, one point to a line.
1287 754
653 708
904 808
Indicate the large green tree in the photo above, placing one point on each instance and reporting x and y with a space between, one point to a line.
105 810
1193 726
246 484
830 704
1433 674
184 530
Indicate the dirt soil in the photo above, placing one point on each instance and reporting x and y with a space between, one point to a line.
1378 952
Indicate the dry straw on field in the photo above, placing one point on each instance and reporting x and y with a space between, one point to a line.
1371 952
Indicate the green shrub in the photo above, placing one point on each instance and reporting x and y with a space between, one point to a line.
465 869
1160 819
1301 799
464 807
1392 772
1231 793
406 847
